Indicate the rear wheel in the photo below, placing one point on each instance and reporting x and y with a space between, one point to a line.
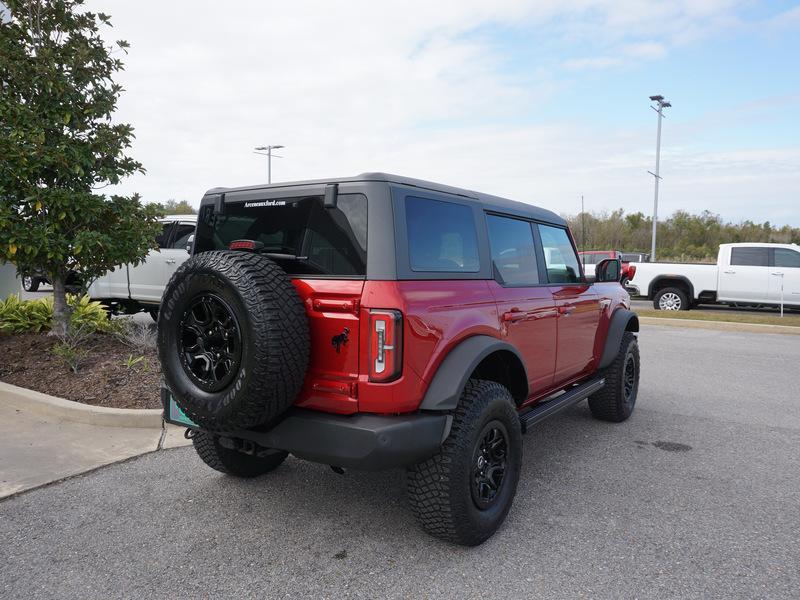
463 493
615 401
671 299
30 284
233 462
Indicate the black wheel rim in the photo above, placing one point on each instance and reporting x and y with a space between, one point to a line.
489 464
629 378
27 282
210 342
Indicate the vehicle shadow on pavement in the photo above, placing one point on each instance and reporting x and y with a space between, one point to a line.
311 497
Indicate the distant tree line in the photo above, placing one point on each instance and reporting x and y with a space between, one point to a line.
683 236
173 207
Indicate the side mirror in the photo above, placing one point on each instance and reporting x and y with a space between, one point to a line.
190 244
609 269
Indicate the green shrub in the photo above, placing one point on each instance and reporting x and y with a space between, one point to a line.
88 312
18 316
71 346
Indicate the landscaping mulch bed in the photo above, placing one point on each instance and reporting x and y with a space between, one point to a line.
27 360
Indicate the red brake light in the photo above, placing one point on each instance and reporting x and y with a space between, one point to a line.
631 271
385 345
242 245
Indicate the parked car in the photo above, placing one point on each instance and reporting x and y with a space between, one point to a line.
131 289
376 322
746 274
590 258
33 279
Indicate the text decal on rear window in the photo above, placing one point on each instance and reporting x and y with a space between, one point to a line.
265 203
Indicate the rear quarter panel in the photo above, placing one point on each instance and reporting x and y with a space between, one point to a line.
702 277
437 315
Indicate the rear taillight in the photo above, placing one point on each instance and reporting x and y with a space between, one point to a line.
631 271
385 345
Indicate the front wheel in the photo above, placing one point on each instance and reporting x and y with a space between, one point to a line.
463 493
671 299
615 401
233 462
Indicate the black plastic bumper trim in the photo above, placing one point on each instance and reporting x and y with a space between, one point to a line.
364 441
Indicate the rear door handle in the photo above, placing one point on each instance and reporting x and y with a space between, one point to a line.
170 261
780 273
566 310
730 272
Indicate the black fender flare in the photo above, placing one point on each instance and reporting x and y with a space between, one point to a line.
453 373
621 321
685 280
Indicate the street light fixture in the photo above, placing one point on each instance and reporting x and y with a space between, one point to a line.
662 104
267 151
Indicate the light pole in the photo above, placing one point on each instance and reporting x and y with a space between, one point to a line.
269 155
662 104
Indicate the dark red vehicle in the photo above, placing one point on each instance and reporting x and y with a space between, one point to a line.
377 322
590 258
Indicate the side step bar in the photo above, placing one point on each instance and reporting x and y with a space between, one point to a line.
547 408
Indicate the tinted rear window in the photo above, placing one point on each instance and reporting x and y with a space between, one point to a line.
324 241
750 257
441 236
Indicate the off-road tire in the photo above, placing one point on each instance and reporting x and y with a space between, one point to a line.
439 489
679 294
233 462
612 402
30 284
274 344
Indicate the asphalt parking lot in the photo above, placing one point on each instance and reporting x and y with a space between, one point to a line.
697 495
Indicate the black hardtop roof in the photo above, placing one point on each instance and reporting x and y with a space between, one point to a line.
490 202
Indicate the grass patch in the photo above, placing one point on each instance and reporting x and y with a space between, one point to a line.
789 319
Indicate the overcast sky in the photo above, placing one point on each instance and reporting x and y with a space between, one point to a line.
538 101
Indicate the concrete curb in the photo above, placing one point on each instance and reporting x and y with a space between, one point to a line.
721 325
68 410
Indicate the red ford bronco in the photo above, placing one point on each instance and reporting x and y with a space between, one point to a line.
376 322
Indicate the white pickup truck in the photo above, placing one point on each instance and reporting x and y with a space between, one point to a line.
745 275
130 289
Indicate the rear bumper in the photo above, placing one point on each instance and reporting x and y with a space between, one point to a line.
365 441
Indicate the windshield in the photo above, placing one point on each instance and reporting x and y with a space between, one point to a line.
300 234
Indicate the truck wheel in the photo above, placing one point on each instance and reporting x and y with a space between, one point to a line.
671 299
616 400
30 284
233 340
233 462
463 493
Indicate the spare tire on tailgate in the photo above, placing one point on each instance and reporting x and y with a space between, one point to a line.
233 340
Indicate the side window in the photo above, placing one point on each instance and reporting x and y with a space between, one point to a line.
513 252
787 258
162 239
750 257
559 255
182 236
441 236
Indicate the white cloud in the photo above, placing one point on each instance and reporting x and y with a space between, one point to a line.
364 86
